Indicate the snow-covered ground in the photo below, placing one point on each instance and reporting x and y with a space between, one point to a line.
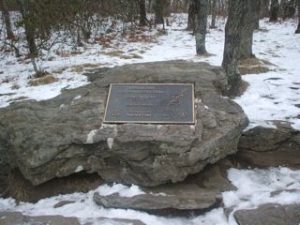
271 96
274 95
254 187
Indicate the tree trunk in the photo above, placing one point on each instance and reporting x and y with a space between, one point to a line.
298 28
231 54
257 9
191 15
158 11
30 34
143 18
264 8
213 14
287 8
248 26
6 17
274 10
29 28
201 25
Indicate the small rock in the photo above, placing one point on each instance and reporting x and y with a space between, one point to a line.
113 221
183 201
17 218
269 214
62 203
269 147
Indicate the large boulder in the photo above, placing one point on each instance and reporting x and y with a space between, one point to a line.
66 135
270 147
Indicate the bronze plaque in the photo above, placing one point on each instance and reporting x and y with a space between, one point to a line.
160 103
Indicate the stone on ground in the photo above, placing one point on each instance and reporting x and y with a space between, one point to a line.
17 218
197 194
269 214
270 147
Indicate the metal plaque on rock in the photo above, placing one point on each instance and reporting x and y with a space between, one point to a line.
159 103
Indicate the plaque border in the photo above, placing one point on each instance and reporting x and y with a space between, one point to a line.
150 122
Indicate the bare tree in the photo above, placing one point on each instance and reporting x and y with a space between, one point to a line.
142 7
274 10
201 25
191 15
9 33
248 26
257 4
30 34
213 14
161 9
287 8
264 8
298 28
232 44
158 11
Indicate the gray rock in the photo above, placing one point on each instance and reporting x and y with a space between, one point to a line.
64 135
197 194
270 214
17 218
176 200
269 147
62 203
113 221
4 165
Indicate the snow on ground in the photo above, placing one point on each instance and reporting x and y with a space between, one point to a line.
271 96
68 65
254 187
275 95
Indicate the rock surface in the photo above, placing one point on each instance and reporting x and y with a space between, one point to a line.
66 135
17 218
197 194
22 190
190 200
269 147
14 218
269 214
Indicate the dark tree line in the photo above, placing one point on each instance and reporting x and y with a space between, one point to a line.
80 18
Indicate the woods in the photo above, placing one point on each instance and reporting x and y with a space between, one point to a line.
75 23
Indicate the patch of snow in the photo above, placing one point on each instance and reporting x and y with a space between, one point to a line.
254 187
90 137
77 97
158 194
198 100
110 142
122 190
257 187
79 169
274 95
62 106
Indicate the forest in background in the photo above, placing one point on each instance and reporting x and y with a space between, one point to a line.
33 28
